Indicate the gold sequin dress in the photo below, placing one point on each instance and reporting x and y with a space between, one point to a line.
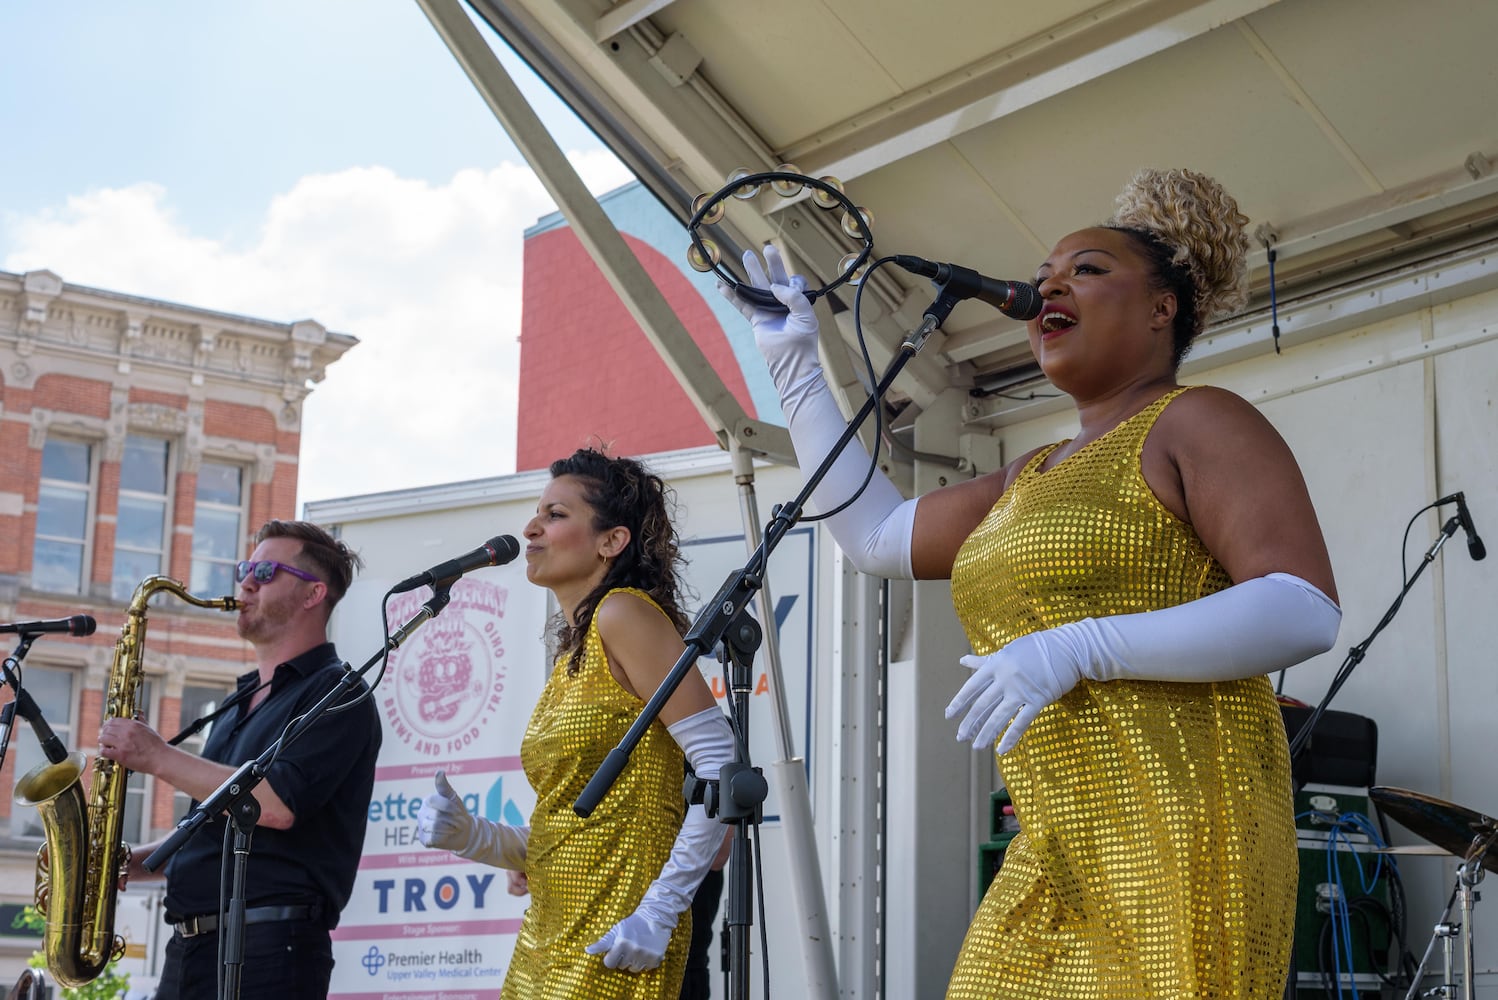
1157 856
588 874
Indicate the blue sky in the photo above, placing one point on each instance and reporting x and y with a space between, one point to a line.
319 158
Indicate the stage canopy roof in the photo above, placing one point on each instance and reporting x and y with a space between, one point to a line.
1358 135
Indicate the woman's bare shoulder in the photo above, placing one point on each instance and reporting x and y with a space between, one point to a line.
626 609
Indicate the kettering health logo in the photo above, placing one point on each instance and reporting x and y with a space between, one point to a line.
450 681
374 961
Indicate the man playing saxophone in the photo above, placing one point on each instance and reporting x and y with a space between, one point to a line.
313 801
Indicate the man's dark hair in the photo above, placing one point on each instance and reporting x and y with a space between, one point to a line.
322 555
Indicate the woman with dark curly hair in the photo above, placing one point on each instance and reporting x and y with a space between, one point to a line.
1125 592
607 891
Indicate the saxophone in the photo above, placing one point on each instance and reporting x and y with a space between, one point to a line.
81 866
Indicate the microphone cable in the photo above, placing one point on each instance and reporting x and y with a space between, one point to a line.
873 380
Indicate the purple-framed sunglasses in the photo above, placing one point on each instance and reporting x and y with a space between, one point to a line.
264 571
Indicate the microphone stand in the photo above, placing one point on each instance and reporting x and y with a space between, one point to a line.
737 797
713 622
7 719
1302 739
23 705
236 797
8 713
1356 653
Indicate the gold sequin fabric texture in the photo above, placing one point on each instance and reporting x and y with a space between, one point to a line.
588 874
1157 856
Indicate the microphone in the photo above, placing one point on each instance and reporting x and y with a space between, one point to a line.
1015 299
7 716
76 625
1475 548
23 705
495 552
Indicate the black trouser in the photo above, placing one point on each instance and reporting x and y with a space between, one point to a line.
283 960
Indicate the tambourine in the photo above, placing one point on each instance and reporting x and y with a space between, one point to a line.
786 181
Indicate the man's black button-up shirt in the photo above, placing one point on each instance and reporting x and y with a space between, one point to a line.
325 777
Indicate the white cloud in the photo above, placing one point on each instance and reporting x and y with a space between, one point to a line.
428 277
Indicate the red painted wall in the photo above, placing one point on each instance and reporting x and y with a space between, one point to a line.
588 375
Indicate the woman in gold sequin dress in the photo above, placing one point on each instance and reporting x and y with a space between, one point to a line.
1125 592
606 891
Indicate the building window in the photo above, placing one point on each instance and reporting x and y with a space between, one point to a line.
197 701
217 528
52 690
141 530
62 516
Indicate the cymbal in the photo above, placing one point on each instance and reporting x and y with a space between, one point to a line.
1450 827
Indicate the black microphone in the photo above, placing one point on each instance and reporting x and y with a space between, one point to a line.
1015 299
1475 548
76 625
26 708
495 552
7 716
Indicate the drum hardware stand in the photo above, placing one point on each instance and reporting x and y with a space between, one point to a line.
236 796
723 610
1468 874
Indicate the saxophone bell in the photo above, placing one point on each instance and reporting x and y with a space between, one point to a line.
81 865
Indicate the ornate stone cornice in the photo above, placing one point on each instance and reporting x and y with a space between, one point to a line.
265 463
46 318
157 418
203 352
119 423
38 290
260 459
190 457
132 330
44 422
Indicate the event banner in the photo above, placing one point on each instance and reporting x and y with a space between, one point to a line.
455 697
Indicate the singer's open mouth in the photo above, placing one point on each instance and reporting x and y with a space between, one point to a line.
1054 322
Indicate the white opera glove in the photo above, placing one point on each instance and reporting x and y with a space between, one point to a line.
1252 628
788 340
875 530
444 823
639 941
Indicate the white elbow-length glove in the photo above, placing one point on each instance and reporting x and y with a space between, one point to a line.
443 822
639 941
875 530
1251 628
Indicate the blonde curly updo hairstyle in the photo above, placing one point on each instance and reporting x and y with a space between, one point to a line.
1191 230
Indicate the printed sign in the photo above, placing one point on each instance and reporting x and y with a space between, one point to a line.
455 697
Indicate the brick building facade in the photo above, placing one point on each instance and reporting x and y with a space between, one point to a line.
137 438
